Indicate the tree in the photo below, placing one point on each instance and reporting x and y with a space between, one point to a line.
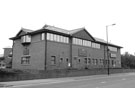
127 60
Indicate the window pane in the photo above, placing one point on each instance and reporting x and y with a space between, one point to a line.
58 38
73 40
80 41
28 38
64 39
89 43
42 36
55 39
48 36
53 60
51 37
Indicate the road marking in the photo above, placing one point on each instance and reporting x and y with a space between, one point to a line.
103 82
123 79
40 83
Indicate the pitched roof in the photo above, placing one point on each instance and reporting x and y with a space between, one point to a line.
100 40
53 28
76 30
69 32
105 42
56 29
24 30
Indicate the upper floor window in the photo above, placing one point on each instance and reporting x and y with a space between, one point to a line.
86 43
53 60
43 36
96 45
81 42
57 38
77 41
26 38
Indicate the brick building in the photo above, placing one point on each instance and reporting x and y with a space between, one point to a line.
6 58
54 48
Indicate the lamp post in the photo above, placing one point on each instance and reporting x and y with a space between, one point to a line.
108 71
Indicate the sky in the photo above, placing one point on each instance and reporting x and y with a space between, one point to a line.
94 15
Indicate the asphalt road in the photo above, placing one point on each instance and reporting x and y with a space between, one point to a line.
98 81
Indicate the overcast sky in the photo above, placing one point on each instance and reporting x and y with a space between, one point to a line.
94 15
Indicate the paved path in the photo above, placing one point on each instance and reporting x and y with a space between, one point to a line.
126 80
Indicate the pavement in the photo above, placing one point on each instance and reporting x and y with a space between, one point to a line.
122 80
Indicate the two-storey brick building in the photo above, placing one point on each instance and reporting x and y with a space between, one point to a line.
54 48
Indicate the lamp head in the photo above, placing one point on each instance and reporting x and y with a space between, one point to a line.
113 24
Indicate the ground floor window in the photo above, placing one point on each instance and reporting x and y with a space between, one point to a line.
61 60
53 60
25 60
85 60
67 59
89 60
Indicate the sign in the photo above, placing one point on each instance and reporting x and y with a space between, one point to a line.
113 55
82 52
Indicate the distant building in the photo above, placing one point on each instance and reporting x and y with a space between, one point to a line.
6 58
54 48
2 63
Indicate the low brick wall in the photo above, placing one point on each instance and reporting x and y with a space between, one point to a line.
15 75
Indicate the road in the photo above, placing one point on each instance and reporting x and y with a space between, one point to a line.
126 80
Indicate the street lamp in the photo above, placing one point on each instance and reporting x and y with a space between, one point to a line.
107 46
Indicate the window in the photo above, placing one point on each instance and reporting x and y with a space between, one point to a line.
55 38
89 60
67 40
26 38
96 61
74 40
85 60
80 41
43 36
67 59
58 38
75 58
26 51
93 61
25 60
51 37
89 43
77 41
64 39
48 36
61 59
112 62
101 61
53 60
79 60
96 45
61 38
106 62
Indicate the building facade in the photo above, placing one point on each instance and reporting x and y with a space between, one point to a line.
55 48
6 58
